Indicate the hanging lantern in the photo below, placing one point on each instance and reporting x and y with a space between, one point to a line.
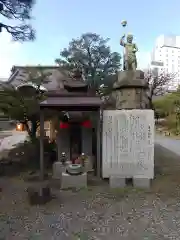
20 127
87 124
64 125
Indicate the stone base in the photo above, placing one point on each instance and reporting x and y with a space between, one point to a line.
58 168
89 163
117 182
131 79
130 90
120 182
142 182
39 195
70 181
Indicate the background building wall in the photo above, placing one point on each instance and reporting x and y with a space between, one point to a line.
167 51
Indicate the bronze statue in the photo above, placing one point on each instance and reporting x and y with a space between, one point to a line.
130 49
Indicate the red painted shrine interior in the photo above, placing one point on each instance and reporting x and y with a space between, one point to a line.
86 124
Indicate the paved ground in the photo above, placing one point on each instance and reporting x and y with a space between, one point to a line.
169 143
6 125
9 139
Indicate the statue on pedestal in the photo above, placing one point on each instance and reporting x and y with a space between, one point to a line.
130 49
130 88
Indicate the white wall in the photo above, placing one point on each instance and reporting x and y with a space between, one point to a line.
167 51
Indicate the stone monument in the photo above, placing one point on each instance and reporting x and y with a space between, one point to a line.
128 131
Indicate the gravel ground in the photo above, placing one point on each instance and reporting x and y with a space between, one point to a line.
97 212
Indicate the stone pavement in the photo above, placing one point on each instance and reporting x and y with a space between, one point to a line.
168 143
10 139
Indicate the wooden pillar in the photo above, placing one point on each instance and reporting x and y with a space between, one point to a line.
98 134
86 134
63 143
52 128
41 145
58 145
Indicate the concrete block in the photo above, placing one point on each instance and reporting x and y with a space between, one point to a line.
58 168
89 163
70 181
142 182
117 182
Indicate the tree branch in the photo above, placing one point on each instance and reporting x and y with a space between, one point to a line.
18 10
20 33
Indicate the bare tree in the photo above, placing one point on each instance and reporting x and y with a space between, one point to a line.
158 84
20 11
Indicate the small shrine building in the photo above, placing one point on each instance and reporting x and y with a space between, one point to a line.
81 132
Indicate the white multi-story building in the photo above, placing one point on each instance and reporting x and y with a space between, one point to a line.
167 51
156 67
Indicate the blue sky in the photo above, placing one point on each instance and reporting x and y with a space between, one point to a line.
58 21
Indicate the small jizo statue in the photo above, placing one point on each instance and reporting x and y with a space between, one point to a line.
63 158
130 49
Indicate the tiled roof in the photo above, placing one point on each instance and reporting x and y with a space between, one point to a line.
72 101
20 76
58 77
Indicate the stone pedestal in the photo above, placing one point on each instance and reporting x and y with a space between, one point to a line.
89 163
130 90
141 182
70 181
120 182
128 133
58 168
117 182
